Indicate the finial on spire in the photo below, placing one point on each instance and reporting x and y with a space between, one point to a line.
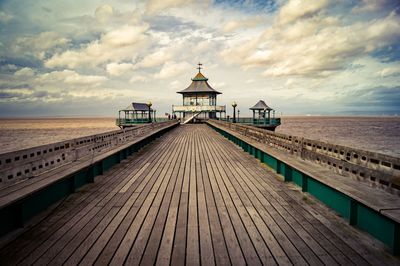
199 68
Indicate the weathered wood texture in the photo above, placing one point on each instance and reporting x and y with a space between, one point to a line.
191 197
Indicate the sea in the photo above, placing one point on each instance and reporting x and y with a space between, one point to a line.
379 134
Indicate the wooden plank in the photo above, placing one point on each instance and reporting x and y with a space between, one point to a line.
105 246
135 254
70 232
192 246
192 197
165 250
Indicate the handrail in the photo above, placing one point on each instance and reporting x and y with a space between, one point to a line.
28 163
380 170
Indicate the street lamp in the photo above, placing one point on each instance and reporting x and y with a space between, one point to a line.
149 104
234 104
238 115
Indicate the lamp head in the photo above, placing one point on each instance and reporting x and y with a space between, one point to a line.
234 104
149 104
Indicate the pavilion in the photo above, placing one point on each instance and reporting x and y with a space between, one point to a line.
136 113
199 100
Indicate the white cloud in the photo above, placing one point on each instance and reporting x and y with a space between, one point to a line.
296 9
246 23
172 69
313 46
104 13
71 77
176 84
155 59
139 78
39 45
155 6
116 69
389 71
24 72
116 45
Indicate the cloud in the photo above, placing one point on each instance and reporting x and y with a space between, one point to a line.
296 9
139 78
104 13
24 72
172 69
5 17
116 69
370 6
376 98
176 84
39 45
155 6
389 71
234 25
155 59
71 77
307 47
116 45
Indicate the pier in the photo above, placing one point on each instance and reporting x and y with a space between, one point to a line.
175 195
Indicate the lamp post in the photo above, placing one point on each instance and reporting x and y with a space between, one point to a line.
234 104
149 104
238 115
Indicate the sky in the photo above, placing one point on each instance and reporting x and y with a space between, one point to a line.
92 58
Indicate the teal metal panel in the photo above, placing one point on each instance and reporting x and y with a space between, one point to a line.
43 198
297 177
80 179
287 173
304 186
376 224
333 198
270 161
281 168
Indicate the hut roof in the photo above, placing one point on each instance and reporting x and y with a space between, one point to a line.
138 107
199 84
261 105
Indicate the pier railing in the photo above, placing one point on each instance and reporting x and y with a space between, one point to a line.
29 163
380 170
255 121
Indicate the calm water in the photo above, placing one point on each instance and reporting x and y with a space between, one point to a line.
380 134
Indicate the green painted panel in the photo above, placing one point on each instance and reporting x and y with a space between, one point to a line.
270 161
281 168
376 224
297 177
97 169
47 196
334 199
80 178
287 173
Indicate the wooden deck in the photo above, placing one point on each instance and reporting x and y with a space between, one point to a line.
191 197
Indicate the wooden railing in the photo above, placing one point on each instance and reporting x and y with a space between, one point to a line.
378 169
28 163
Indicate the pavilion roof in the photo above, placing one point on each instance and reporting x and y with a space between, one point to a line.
199 84
137 107
261 105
